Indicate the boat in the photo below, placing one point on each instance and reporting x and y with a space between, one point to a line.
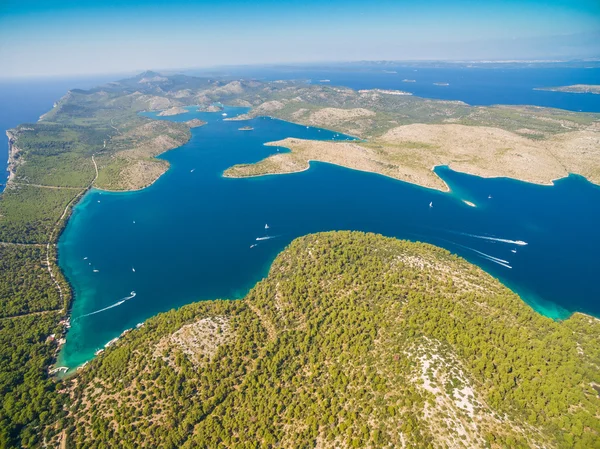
192 170
85 258
114 340
96 271
431 204
513 250
99 351
224 114
258 239
133 221
252 246
489 197
133 269
266 226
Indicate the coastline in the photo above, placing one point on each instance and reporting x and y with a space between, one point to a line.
12 153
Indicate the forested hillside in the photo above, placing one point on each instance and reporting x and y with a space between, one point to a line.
353 340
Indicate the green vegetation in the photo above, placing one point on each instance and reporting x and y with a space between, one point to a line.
52 166
29 397
341 346
25 284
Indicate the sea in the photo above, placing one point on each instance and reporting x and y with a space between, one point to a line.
195 235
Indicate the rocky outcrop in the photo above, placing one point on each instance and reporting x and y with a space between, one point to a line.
13 155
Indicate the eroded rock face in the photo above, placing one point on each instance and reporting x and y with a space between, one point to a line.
199 341
172 111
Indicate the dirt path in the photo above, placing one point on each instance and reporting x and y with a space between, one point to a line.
44 187
21 315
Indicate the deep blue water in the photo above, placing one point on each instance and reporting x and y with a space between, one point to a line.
475 85
188 236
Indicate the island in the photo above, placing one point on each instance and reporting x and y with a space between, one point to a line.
409 81
195 123
172 111
412 312
210 108
441 84
574 89
246 128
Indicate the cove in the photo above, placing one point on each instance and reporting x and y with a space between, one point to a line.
188 237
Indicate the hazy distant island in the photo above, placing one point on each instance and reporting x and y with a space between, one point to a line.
245 128
574 89
441 84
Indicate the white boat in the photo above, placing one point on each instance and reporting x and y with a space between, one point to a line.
224 114
133 221
133 269
266 226
85 258
489 197
192 170
99 351
252 246
513 250
111 342
431 204
96 271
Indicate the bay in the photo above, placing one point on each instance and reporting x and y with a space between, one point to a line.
188 237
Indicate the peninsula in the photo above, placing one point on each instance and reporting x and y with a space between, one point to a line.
347 329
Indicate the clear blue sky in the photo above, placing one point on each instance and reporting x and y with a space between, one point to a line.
41 37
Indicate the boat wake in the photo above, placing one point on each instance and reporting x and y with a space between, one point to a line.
118 303
504 263
268 237
494 239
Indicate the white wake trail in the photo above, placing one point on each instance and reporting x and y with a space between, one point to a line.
495 261
118 303
269 237
495 239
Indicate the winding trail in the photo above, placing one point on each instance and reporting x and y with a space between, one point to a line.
21 315
44 186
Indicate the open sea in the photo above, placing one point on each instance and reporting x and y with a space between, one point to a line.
188 237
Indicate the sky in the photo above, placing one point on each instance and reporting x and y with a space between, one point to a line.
82 37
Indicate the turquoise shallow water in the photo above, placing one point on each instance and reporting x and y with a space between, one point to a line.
188 236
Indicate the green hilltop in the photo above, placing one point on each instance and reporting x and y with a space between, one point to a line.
353 340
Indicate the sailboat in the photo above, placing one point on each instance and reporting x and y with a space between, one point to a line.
133 269
266 226
431 204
